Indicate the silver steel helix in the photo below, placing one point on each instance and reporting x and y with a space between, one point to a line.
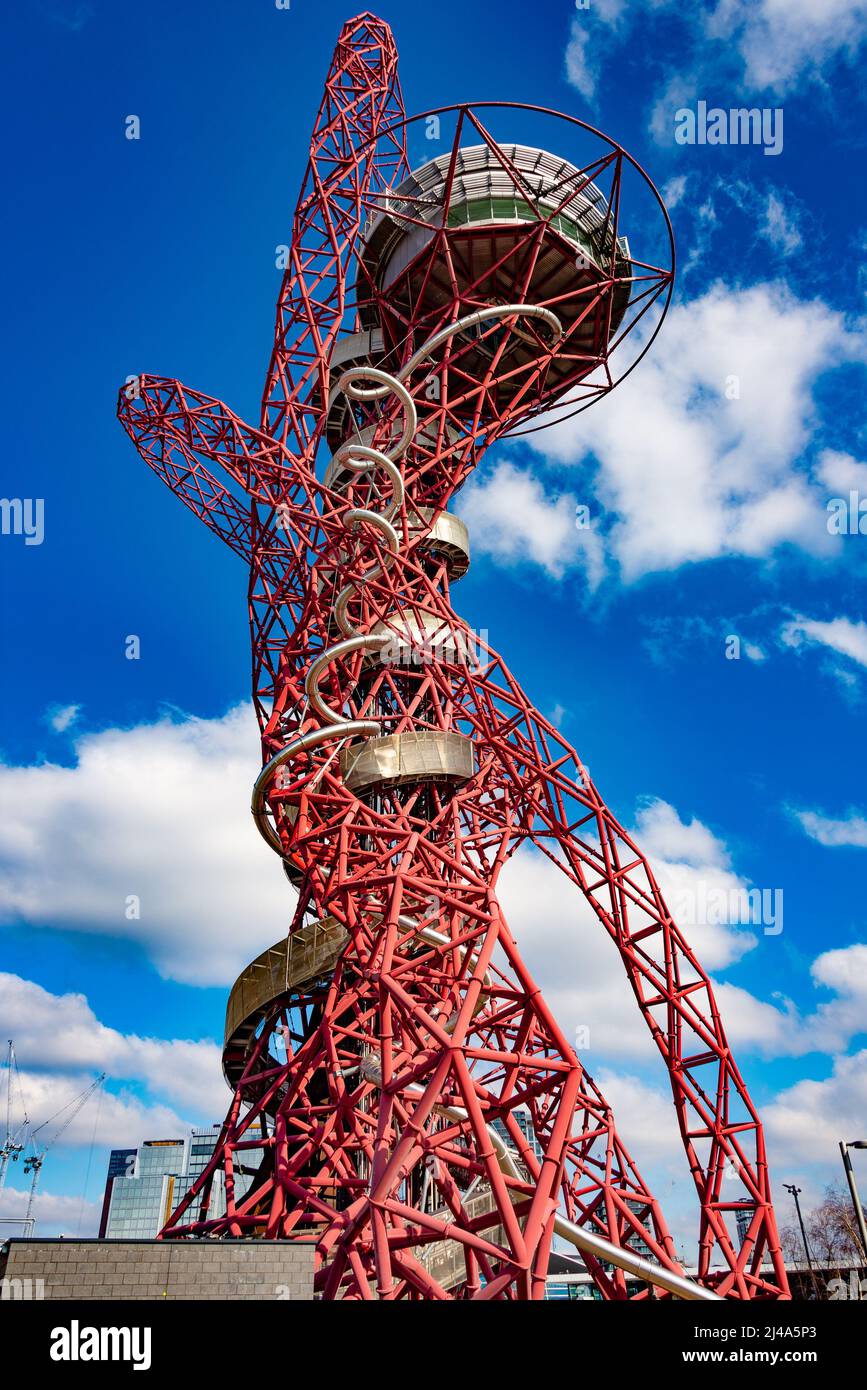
362 458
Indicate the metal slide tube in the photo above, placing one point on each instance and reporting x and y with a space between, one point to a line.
676 1284
361 458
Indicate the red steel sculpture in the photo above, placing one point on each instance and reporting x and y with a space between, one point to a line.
402 1094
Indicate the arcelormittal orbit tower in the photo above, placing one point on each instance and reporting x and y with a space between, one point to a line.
402 1094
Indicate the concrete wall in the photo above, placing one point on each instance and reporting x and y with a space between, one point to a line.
150 1269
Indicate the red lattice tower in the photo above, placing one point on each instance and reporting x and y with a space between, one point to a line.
401 1093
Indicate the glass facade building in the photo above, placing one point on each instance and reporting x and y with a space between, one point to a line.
144 1185
525 1124
120 1163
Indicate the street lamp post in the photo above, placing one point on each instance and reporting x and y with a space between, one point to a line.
795 1192
850 1178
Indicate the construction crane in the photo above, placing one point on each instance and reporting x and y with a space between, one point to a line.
14 1140
33 1162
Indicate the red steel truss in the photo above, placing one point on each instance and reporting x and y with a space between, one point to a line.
407 1099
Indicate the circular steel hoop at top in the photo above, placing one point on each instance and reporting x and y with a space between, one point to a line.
667 274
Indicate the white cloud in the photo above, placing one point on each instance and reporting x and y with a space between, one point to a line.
207 765
755 1024
776 216
843 636
56 1214
848 681
167 1084
779 226
847 830
665 836
678 90
514 519
584 982
802 1126
63 717
806 1121
784 41
159 811
571 955
841 472
839 634
590 34
700 451
673 191
845 972
581 69
62 1032
778 1029
109 1119
755 44
731 54
62 1045
646 1119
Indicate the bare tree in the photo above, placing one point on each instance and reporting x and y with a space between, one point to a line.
832 1234
832 1230
792 1243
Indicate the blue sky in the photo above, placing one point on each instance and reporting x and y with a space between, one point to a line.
708 509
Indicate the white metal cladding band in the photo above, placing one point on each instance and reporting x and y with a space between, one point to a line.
361 458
